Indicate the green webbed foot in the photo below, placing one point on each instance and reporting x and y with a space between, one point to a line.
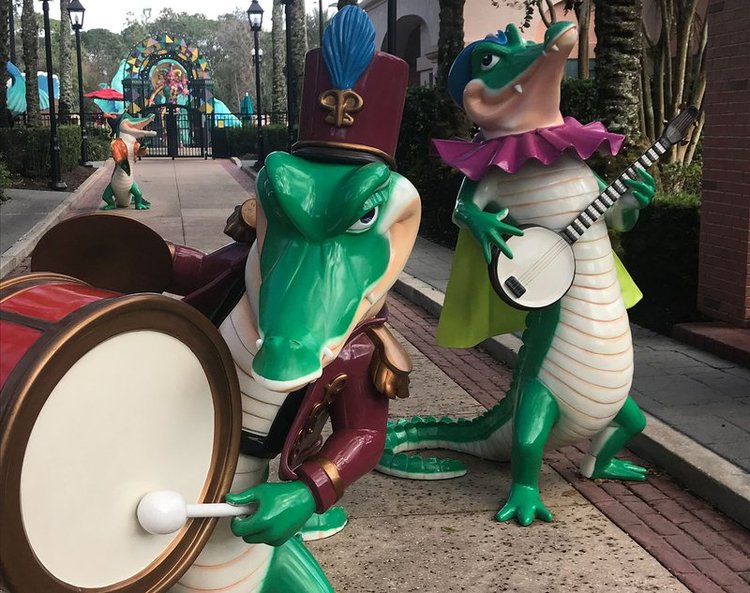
283 508
525 504
327 524
142 206
620 469
108 207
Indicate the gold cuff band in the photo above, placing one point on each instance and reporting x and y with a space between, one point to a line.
330 470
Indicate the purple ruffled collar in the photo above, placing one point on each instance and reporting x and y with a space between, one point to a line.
510 153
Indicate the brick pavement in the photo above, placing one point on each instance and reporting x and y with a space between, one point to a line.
705 550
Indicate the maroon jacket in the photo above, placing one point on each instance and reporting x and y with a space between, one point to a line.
353 391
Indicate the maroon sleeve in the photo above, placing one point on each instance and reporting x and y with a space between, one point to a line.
192 269
358 417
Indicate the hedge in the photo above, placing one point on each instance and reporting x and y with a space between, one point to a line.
661 254
243 140
26 150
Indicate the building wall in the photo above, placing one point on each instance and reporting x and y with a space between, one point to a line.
724 255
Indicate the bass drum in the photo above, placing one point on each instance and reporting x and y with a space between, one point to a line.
104 398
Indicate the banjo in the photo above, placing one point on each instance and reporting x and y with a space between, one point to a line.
543 265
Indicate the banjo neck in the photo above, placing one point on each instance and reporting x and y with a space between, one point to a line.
673 133
613 192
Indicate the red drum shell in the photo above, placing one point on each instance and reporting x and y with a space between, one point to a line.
48 322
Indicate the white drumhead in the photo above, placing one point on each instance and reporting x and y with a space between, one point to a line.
132 415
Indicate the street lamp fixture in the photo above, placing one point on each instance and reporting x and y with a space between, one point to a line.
76 12
255 16
56 181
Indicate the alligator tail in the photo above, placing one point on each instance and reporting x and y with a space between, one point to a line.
487 436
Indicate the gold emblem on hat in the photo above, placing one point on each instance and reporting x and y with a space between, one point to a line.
341 104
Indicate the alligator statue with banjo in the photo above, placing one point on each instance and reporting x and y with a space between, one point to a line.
122 414
531 209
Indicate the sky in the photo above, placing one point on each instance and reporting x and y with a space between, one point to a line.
111 14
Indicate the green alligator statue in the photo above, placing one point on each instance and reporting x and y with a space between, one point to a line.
574 372
122 188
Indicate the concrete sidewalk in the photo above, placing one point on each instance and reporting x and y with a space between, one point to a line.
441 536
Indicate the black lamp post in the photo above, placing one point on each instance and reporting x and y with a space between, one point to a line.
392 26
291 82
320 21
56 181
75 12
255 16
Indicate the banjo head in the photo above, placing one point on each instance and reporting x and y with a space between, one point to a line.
133 394
540 273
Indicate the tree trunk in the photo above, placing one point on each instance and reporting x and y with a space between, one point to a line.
299 47
450 120
618 65
583 14
278 84
65 67
686 14
30 36
5 9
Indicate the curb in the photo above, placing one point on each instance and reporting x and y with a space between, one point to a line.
25 245
702 471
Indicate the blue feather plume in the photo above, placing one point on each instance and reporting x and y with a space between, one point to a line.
348 46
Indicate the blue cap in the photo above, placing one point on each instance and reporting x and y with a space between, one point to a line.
460 73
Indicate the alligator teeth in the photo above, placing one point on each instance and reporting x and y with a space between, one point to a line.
554 47
519 89
259 343
328 354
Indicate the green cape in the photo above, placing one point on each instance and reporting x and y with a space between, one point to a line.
473 312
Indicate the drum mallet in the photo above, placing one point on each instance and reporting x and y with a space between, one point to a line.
164 511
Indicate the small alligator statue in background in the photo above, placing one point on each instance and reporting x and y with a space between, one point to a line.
122 188
574 372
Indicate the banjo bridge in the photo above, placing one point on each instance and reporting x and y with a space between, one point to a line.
515 286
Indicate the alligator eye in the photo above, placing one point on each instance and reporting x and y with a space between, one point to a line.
368 219
488 61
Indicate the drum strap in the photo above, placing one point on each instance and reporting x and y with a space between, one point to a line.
269 446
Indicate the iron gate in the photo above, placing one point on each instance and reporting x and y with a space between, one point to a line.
181 131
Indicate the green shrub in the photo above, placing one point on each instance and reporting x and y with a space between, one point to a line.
243 140
578 100
26 150
661 253
4 179
418 161
99 144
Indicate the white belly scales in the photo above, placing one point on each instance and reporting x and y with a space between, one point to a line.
589 366
228 564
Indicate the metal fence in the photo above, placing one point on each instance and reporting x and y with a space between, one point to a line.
187 132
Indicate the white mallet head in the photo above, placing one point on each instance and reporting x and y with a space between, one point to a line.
162 512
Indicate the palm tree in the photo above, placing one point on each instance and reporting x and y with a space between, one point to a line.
278 84
65 68
4 57
618 65
450 120
299 48
30 37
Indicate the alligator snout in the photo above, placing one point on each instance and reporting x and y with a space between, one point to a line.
285 364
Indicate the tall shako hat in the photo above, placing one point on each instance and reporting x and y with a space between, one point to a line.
353 96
